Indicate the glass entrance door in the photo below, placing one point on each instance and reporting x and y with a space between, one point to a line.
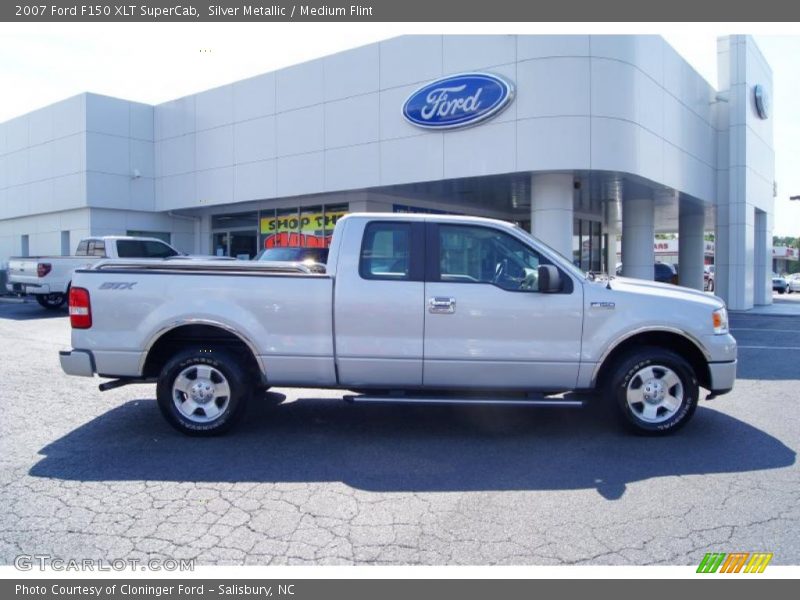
238 244
243 244
219 244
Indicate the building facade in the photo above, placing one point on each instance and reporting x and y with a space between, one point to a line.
595 137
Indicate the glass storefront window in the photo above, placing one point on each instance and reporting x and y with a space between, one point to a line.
576 242
595 246
332 214
307 227
235 221
312 227
587 245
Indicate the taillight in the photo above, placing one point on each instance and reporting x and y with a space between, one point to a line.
80 308
42 269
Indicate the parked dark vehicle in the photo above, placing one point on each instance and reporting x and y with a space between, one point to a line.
780 285
311 260
317 255
662 272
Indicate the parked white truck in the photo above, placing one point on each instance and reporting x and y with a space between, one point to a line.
412 308
49 278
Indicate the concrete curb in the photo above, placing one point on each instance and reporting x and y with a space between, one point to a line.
747 313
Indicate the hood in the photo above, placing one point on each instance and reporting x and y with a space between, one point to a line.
664 290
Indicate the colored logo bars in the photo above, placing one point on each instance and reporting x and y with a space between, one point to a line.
745 562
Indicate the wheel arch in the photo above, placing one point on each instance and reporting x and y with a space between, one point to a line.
675 340
198 332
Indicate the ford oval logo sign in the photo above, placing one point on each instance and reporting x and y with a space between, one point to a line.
458 101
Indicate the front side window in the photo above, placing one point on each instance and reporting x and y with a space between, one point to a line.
471 254
385 253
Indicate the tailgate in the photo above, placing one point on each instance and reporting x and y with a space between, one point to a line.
23 271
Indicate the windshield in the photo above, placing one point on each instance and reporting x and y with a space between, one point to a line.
565 263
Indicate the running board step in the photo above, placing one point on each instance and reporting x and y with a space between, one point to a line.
544 402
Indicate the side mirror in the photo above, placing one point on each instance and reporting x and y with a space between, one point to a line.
549 279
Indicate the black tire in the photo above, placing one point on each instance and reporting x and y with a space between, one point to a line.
781 291
51 301
626 372
227 368
710 285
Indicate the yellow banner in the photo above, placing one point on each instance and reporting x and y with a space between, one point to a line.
309 223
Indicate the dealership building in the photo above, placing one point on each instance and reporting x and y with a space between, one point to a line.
580 139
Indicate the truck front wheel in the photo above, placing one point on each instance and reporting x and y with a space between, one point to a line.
202 391
51 301
655 390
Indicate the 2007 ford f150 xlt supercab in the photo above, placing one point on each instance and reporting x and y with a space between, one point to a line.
412 308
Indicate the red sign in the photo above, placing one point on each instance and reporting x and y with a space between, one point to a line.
292 239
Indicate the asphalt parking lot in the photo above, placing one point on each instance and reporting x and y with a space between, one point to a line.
85 474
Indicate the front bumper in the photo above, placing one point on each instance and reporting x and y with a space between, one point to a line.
77 362
722 376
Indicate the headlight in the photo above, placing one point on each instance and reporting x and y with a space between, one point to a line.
719 319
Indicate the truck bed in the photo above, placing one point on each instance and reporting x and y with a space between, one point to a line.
285 315
22 271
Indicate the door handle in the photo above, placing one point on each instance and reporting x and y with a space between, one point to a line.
442 305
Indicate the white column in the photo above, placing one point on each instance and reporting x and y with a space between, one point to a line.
197 228
551 210
691 245
734 254
638 231
203 235
762 259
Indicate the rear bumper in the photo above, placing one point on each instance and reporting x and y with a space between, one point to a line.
77 362
723 376
28 288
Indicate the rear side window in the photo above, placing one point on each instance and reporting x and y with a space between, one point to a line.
143 249
386 252
97 248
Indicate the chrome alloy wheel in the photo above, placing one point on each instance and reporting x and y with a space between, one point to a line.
201 393
654 394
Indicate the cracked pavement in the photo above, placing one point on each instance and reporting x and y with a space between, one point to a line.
85 474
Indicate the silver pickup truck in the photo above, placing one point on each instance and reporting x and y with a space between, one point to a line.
412 308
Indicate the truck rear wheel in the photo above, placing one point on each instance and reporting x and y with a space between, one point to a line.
202 391
51 301
655 390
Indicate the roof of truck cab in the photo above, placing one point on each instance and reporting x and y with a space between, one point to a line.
109 238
